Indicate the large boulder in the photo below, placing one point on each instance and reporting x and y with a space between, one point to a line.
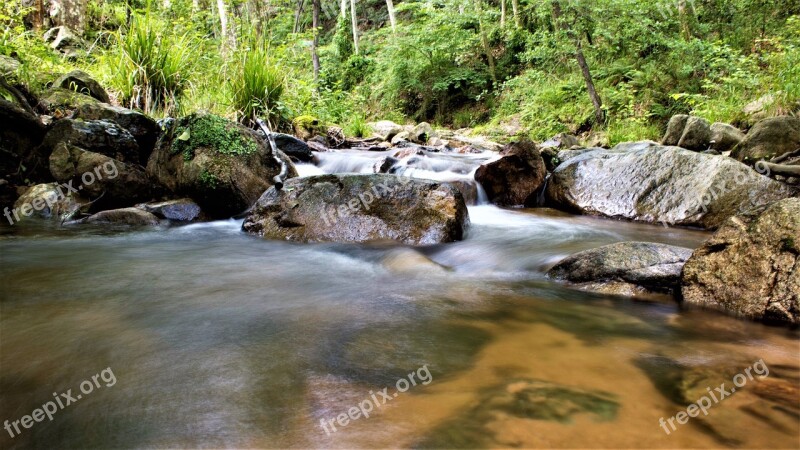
222 165
561 141
98 136
769 138
60 102
112 183
625 267
724 137
516 177
652 183
8 66
359 208
20 133
421 133
144 129
751 265
82 82
48 201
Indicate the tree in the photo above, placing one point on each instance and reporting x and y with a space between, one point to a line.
315 42
392 19
355 24
577 38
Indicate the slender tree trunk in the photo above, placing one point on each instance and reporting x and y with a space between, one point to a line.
195 5
315 42
515 11
343 5
355 24
297 14
223 22
485 43
599 115
392 20
502 13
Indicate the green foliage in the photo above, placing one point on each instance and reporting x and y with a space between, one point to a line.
211 131
257 85
151 67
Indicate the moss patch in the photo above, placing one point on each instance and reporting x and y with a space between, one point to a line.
214 132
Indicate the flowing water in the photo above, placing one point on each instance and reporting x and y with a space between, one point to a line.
220 339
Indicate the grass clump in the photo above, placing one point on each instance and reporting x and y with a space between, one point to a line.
258 85
151 67
214 132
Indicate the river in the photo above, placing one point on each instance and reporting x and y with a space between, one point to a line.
216 338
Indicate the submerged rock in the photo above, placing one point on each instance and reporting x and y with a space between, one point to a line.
359 208
751 266
516 177
222 165
625 267
652 183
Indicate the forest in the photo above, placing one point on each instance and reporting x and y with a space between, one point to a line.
618 68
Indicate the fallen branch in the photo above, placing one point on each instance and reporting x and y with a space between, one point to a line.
785 156
783 170
23 102
281 177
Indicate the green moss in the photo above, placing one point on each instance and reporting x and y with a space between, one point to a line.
213 132
788 244
209 179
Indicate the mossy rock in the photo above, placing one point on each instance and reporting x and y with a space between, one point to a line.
222 165
61 102
306 127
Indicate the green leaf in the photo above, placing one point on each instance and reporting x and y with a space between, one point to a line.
184 136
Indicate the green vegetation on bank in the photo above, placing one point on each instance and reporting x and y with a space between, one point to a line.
513 69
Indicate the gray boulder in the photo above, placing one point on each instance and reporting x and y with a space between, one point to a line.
180 210
625 267
652 183
421 133
385 129
98 136
697 134
769 138
359 208
751 266
724 137
48 201
293 147
675 127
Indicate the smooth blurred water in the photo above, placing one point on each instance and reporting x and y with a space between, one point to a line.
221 339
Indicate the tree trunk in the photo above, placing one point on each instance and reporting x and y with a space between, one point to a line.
223 23
392 20
297 14
485 43
343 4
599 114
515 11
502 13
355 24
195 5
315 42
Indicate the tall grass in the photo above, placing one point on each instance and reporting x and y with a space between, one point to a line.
151 66
257 85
